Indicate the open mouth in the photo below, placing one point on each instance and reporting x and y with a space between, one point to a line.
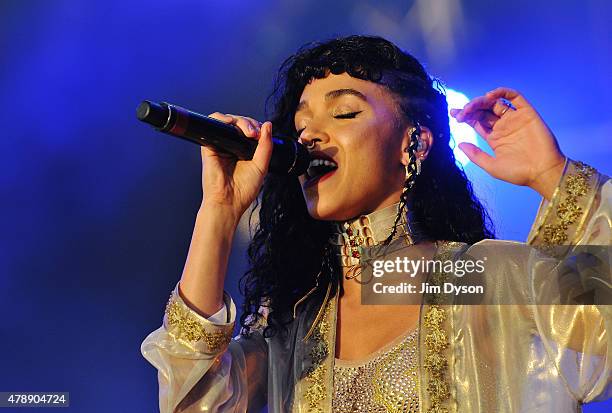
319 168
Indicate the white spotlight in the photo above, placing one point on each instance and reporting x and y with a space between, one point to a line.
461 132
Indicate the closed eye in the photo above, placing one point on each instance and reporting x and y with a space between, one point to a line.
349 115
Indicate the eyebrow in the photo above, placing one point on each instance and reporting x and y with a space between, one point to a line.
334 94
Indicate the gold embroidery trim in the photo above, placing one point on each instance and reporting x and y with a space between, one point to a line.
568 211
435 362
436 341
315 376
184 326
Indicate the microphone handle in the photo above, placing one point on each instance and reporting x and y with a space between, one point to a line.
288 156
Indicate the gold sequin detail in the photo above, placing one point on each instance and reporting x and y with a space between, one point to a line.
315 376
386 383
436 341
435 363
554 234
576 185
568 211
435 316
184 325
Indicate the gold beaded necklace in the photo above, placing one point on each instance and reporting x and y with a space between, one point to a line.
351 237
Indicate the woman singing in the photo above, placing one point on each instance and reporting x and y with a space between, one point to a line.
383 187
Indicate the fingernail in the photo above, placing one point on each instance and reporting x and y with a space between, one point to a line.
464 147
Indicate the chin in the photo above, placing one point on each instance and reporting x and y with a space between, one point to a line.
330 209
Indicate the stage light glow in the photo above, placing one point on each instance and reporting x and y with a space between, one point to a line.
461 132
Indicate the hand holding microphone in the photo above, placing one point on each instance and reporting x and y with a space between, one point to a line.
231 183
237 151
288 156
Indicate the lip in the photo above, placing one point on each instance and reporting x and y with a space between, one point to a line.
321 155
316 179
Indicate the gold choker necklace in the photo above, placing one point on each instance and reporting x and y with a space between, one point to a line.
366 231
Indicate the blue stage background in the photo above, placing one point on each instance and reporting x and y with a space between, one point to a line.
97 209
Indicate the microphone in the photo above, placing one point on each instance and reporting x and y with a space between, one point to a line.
289 157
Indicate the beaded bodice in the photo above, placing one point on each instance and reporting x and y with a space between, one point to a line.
384 382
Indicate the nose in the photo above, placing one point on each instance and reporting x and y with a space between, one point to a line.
309 138
309 143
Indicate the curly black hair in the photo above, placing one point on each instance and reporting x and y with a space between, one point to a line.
289 248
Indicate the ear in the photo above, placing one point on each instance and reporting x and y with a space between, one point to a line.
426 139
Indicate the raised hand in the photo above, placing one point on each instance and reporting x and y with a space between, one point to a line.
230 184
526 151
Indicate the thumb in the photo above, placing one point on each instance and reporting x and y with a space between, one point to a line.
263 151
478 156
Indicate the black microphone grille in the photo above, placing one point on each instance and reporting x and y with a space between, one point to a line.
152 113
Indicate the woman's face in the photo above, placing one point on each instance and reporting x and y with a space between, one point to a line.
355 123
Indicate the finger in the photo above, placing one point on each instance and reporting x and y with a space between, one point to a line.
476 104
503 92
512 95
256 124
249 126
481 128
210 152
222 117
244 125
478 156
502 106
263 151
482 121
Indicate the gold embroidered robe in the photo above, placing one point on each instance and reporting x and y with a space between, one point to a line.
493 358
